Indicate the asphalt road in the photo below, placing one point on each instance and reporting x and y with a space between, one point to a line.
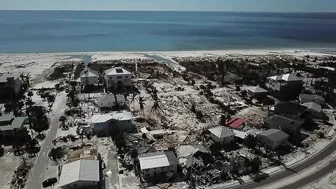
39 169
317 175
294 170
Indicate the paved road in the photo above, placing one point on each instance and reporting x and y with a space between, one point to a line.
40 166
317 175
294 170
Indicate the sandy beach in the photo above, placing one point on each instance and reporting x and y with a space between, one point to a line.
37 63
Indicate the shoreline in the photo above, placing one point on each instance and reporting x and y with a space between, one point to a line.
190 53
38 63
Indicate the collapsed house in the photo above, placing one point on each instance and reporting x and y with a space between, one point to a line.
186 153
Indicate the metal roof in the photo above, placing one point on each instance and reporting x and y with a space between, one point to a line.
105 98
235 122
285 77
117 71
313 106
101 118
16 122
122 116
157 159
274 134
80 170
221 132
256 89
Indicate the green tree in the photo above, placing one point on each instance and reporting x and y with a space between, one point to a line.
62 119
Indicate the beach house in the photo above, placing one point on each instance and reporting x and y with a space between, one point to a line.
286 86
158 164
110 100
80 174
272 138
222 135
122 120
9 124
311 98
10 85
89 77
285 124
256 92
101 123
289 109
117 78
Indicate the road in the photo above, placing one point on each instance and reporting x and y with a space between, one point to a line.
296 169
38 170
317 175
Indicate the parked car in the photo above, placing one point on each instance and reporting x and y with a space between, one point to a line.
49 182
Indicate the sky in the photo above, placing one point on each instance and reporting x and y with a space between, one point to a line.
175 5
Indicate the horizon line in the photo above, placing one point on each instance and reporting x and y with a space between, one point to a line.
122 10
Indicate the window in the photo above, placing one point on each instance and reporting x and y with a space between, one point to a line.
126 76
110 77
119 77
162 168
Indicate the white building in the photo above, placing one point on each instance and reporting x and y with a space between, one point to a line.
105 101
109 101
117 78
101 123
123 120
89 77
272 138
222 135
158 164
80 174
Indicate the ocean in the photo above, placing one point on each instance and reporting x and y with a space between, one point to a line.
84 31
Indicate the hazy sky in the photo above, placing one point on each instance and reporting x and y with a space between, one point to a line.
192 5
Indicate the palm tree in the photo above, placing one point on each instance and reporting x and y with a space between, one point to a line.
62 119
28 77
30 94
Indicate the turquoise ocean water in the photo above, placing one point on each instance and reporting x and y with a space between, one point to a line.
78 31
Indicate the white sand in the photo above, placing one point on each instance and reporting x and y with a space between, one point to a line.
37 63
